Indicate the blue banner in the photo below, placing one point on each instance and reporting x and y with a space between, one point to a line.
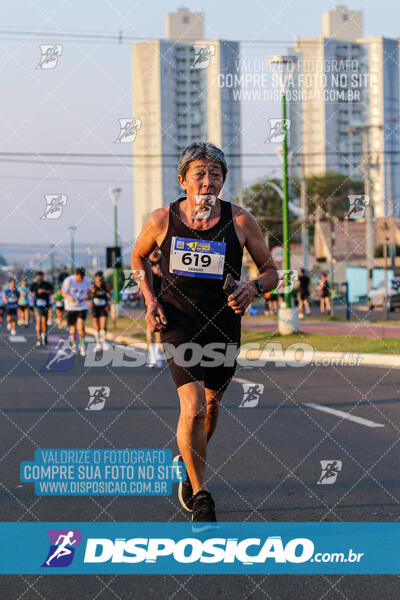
233 548
102 472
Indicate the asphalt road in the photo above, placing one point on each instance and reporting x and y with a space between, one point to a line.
263 463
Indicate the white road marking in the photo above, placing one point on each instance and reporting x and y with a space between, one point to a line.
239 380
17 338
344 415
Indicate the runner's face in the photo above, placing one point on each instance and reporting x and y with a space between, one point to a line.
202 177
78 277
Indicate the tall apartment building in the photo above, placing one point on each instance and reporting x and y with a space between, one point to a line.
179 103
347 80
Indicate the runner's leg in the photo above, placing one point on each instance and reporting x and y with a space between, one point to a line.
213 400
191 432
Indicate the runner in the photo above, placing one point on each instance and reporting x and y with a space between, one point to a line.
325 293
100 304
75 289
31 305
304 293
193 307
2 308
154 359
10 297
59 302
41 291
50 311
23 304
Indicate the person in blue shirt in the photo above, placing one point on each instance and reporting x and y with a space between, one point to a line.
11 297
23 304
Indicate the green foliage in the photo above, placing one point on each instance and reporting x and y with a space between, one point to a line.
330 191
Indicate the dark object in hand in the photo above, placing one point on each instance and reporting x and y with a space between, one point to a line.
230 285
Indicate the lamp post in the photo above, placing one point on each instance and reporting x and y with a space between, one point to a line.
114 194
72 229
284 65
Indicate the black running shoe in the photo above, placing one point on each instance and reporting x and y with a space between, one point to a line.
203 516
185 490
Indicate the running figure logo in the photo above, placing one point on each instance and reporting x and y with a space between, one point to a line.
128 130
357 204
54 206
277 130
204 204
50 55
202 55
131 279
63 543
98 396
61 357
287 280
329 471
251 394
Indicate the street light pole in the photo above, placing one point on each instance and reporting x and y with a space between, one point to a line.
114 193
284 67
286 230
72 229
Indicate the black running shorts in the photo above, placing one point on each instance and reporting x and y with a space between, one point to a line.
74 315
187 351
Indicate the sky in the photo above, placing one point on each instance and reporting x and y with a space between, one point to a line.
76 106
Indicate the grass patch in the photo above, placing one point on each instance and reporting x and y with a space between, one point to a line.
331 343
126 326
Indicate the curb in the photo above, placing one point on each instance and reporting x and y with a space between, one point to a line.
248 357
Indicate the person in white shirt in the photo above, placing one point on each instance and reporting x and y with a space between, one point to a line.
75 290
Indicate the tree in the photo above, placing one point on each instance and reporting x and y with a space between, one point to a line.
265 204
330 191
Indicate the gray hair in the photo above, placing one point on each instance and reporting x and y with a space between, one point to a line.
197 151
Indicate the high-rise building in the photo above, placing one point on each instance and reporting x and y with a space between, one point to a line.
347 81
177 96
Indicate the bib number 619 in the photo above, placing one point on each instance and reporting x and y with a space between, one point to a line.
188 258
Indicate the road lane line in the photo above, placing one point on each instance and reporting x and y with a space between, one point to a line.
239 380
17 338
344 415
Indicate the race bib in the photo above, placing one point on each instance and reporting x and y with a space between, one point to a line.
41 302
99 301
197 258
59 304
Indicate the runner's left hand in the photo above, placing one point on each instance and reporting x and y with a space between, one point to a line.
240 299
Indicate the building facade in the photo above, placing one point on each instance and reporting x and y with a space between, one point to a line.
349 84
177 96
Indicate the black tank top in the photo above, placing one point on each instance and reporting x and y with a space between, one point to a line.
156 280
199 301
100 292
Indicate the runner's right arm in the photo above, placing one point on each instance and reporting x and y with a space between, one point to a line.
145 244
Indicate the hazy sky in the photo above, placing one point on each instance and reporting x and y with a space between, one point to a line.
76 106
